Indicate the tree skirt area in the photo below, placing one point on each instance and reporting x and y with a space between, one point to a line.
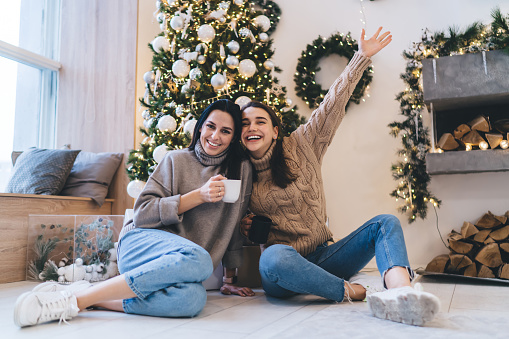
355 321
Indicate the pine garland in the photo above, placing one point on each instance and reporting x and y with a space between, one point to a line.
413 180
307 67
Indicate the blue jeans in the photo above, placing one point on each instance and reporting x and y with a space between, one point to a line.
165 271
323 272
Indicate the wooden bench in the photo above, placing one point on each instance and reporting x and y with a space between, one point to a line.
14 212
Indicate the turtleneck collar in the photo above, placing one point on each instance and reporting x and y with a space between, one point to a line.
209 160
263 163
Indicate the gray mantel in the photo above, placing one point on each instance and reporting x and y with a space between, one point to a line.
465 80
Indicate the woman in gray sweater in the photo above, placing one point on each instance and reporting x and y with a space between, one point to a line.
180 232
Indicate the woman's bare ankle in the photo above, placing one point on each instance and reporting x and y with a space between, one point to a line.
355 292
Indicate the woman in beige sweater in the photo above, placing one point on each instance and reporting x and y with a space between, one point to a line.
300 255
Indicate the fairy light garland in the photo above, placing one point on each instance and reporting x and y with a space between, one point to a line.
410 172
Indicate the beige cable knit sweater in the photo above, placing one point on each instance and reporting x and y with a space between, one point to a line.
299 210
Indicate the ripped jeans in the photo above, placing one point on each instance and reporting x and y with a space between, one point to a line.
165 271
323 272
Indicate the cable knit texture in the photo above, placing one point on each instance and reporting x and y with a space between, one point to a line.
299 211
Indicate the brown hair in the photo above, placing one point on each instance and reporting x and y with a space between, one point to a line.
282 175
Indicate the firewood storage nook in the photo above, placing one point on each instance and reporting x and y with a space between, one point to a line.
468 98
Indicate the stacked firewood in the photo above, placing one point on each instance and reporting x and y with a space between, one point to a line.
478 133
478 250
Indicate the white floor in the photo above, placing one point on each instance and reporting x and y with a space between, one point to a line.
469 310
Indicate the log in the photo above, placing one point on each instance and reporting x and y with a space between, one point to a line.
447 142
489 255
485 272
455 235
458 261
473 138
488 220
471 270
505 247
494 139
481 236
468 230
480 123
460 247
489 240
503 271
438 264
461 130
501 218
500 234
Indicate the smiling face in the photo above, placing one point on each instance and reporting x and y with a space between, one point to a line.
258 132
216 133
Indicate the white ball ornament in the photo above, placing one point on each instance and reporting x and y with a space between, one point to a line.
264 37
135 187
189 127
179 111
238 2
289 102
201 59
202 48
167 123
195 73
148 123
145 114
177 23
263 22
160 44
206 33
159 153
186 90
268 64
218 81
149 77
233 46
232 62
180 68
242 101
161 17
247 68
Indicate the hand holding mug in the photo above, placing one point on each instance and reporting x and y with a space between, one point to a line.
213 190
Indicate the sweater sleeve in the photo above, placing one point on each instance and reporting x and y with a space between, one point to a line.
156 205
321 127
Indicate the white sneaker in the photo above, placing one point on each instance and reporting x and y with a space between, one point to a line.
34 308
405 305
53 286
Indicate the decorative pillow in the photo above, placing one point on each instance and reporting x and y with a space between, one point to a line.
91 175
41 171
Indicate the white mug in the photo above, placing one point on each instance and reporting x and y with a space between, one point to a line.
231 190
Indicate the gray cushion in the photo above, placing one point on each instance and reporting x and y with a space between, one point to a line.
41 171
91 175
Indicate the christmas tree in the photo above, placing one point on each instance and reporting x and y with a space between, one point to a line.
207 50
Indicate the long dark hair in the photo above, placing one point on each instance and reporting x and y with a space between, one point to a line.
282 175
230 167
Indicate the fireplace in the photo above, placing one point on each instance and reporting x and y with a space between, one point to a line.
468 99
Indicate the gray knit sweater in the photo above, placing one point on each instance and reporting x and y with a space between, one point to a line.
213 226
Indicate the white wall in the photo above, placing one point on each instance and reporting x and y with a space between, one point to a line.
357 166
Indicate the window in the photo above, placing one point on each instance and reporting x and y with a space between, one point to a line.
29 42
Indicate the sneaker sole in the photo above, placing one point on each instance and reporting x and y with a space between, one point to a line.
17 307
411 309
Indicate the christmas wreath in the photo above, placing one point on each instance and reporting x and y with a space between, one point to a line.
306 86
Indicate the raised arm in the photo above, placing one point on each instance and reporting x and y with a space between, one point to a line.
321 127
